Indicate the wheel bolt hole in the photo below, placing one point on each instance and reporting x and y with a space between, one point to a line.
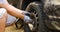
36 15
37 24
34 12
37 20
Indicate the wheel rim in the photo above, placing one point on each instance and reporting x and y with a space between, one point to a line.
35 23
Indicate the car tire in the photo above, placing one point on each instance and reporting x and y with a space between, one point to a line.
39 24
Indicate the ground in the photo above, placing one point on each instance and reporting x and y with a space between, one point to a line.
13 29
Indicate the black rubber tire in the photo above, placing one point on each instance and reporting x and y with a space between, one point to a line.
41 16
38 7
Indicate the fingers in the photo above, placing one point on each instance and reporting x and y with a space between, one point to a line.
27 19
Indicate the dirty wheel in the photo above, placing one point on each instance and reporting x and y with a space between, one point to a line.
35 8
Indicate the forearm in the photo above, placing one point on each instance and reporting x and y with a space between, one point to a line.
14 11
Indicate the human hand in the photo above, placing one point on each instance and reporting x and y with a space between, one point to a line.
27 19
26 13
